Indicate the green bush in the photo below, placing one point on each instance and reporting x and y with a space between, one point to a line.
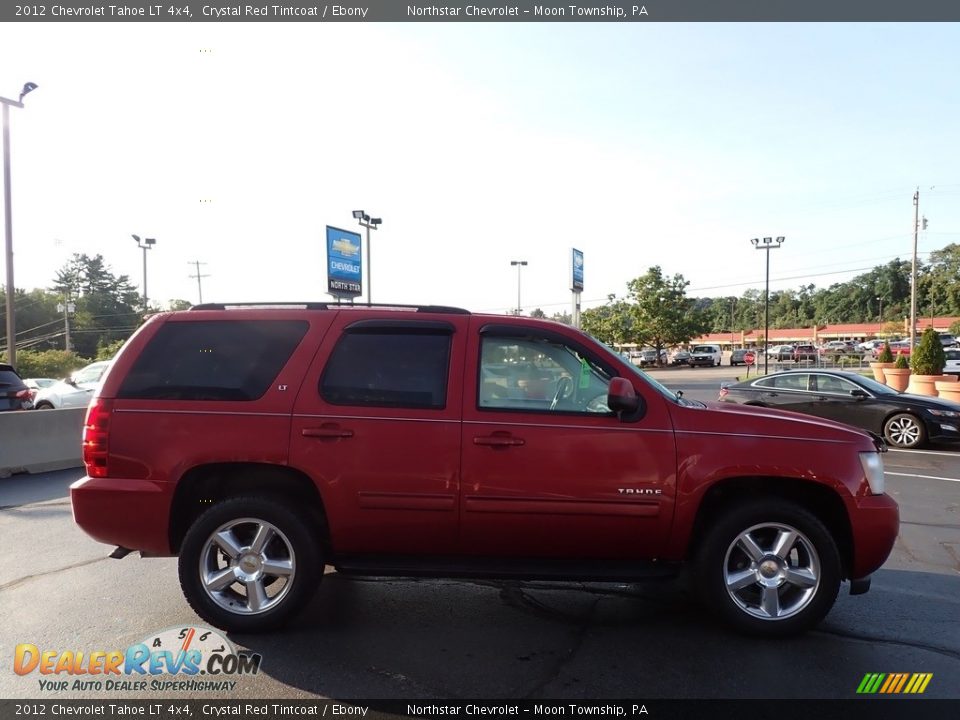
928 357
902 363
886 355
48 363
106 352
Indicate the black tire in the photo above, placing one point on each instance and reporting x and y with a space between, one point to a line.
804 579
43 406
904 430
293 552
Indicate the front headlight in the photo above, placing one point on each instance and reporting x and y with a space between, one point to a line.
944 413
872 464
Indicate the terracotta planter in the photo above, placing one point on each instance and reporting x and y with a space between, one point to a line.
924 384
949 389
878 368
897 378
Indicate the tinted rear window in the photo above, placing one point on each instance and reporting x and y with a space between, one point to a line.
388 369
213 360
8 377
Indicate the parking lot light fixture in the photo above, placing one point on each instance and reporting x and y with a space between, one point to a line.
768 244
370 224
519 264
145 244
8 219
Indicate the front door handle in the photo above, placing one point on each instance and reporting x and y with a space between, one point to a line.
498 440
327 431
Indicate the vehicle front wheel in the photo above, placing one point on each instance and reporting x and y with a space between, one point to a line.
904 431
43 406
768 568
249 564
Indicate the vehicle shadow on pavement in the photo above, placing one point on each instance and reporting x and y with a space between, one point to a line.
410 638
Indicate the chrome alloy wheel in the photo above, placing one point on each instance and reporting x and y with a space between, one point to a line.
904 431
771 571
247 566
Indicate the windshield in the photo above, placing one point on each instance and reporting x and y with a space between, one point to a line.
703 349
637 371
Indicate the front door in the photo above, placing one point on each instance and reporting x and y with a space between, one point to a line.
548 471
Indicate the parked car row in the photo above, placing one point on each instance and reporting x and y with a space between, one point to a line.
17 393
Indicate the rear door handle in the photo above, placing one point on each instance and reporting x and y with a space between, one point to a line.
327 432
498 441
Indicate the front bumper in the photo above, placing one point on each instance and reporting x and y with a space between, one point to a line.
875 522
118 511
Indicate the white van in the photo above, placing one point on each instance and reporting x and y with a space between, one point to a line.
705 355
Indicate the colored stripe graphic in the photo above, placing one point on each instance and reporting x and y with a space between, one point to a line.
894 683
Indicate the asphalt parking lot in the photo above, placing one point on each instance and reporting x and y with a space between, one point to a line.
407 638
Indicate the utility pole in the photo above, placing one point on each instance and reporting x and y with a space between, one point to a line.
197 263
913 272
67 307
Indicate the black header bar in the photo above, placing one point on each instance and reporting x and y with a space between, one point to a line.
637 11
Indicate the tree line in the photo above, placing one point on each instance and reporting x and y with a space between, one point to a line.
656 311
98 308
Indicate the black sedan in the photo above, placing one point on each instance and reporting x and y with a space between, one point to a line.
905 421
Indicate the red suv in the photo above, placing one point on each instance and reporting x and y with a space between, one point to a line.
261 444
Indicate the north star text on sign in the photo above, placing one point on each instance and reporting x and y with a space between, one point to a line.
260 11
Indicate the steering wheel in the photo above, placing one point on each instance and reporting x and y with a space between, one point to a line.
564 390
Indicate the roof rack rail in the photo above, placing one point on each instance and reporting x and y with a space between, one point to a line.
332 306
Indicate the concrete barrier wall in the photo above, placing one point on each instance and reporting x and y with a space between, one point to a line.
40 440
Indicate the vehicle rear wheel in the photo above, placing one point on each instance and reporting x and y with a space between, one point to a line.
43 406
249 564
768 568
904 431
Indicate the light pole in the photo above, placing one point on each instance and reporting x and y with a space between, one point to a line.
913 272
8 220
768 244
519 264
880 312
370 224
145 245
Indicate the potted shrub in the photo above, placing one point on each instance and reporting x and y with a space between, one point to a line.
927 361
899 375
884 360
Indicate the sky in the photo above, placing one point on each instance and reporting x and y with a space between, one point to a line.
478 144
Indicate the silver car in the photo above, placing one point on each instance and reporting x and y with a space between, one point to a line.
74 391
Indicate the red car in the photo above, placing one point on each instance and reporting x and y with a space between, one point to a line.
261 443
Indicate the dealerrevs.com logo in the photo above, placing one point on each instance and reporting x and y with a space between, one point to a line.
188 658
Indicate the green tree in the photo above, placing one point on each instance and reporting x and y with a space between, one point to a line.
538 313
107 305
662 314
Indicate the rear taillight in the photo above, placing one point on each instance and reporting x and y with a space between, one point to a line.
95 430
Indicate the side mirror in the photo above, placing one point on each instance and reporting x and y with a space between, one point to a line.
859 394
621 397
70 381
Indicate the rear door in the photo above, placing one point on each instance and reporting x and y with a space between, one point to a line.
377 426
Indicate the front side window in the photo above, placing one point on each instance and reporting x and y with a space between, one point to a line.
830 384
540 375
388 368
